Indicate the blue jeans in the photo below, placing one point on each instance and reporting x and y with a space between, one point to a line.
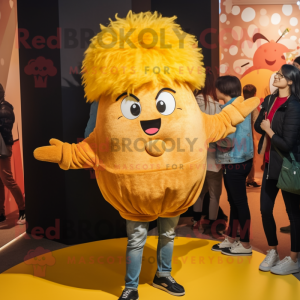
137 235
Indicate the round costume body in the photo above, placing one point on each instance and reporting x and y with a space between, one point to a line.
142 186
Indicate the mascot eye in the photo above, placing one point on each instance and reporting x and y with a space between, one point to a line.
165 103
130 108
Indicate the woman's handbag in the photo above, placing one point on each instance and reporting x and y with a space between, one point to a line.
289 177
4 151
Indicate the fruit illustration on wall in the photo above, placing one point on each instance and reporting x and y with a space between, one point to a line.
267 59
268 56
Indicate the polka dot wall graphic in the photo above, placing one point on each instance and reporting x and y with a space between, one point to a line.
223 68
248 14
264 20
223 18
252 29
237 33
247 20
290 44
225 38
275 19
228 22
294 21
287 10
233 50
2 61
235 10
263 11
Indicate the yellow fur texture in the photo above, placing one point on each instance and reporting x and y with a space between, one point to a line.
139 49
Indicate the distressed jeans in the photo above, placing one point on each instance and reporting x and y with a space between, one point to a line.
137 235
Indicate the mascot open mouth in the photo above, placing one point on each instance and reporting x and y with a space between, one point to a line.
151 127
270 63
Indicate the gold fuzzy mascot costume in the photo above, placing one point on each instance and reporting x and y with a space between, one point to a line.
149 146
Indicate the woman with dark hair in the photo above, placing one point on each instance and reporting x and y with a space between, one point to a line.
237 164
208 103
279 125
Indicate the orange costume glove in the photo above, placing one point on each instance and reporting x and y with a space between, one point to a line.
68 156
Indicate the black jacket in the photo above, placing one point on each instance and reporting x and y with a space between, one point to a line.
7 119
286 125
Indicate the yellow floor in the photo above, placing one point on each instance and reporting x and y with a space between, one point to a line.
96 271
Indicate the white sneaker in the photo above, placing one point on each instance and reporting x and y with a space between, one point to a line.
285 267
225 244
22 219
237 250
270 260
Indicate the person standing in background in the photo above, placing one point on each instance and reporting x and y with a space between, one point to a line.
237 164
249 91
7 119
279 125
208 103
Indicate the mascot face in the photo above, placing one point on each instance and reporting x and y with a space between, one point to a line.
159 125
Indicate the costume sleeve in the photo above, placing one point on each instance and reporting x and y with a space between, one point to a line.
69 156
221 125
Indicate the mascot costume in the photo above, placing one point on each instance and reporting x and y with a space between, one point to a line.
150 142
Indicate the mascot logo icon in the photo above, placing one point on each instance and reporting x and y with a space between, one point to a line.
39 258
40 68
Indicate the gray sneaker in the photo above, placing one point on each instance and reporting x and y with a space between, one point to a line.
270 260
285 267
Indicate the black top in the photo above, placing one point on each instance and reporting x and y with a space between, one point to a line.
286 125
7 119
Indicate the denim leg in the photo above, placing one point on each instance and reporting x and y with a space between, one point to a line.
137 235
166 235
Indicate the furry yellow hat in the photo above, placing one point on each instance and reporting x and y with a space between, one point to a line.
139 49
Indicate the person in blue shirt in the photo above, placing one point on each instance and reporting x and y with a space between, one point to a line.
237 164
92 120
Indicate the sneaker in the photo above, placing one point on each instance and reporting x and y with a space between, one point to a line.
2 218
285 267
270 260
225 244
22 217
286 229
129 294
237 250
169 285
253 184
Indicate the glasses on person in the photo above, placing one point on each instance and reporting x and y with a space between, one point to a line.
279 75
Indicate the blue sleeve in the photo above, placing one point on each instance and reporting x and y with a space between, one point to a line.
92 120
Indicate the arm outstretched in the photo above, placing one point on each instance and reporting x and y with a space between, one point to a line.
220 125
69 156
